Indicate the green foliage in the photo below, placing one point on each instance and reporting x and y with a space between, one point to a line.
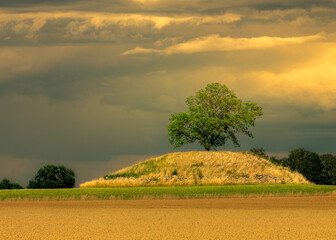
307 163
276 161
201 164
51 176
6 184
199 173
138 170
122 175
329 168
260 152
215 116
147 167
320 169
174 172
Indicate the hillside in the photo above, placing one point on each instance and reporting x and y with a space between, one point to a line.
201 168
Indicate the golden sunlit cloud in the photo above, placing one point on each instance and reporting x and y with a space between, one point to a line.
217 43
145 1
311 86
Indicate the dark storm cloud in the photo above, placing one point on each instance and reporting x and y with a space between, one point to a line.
21 170
167 6
287 4
83 130
30 3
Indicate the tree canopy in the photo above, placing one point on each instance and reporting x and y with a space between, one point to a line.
307 163
329 168
51 176
7 184
215 115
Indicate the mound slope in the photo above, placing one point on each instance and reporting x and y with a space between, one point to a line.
200 168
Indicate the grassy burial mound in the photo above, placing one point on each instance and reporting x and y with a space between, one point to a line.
200 168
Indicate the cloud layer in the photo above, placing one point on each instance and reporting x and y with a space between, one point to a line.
93 84
215 43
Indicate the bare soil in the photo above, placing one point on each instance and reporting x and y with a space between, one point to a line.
312 217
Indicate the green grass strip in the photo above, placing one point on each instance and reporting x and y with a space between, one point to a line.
166 192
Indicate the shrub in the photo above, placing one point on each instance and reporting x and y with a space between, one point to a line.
51 176
199 173
6 184
123 175
276 161
260 152
307 163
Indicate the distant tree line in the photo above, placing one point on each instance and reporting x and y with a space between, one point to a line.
7 184
49 176
317 168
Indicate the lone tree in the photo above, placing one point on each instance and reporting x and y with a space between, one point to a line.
215 116
51 176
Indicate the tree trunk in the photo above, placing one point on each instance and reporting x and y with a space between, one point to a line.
207 148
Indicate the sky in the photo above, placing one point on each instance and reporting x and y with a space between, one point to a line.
91 84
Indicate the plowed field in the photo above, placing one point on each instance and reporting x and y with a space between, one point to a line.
229 218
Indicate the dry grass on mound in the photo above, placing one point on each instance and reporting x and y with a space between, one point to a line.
201 168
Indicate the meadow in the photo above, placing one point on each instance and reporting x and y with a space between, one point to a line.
167 192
